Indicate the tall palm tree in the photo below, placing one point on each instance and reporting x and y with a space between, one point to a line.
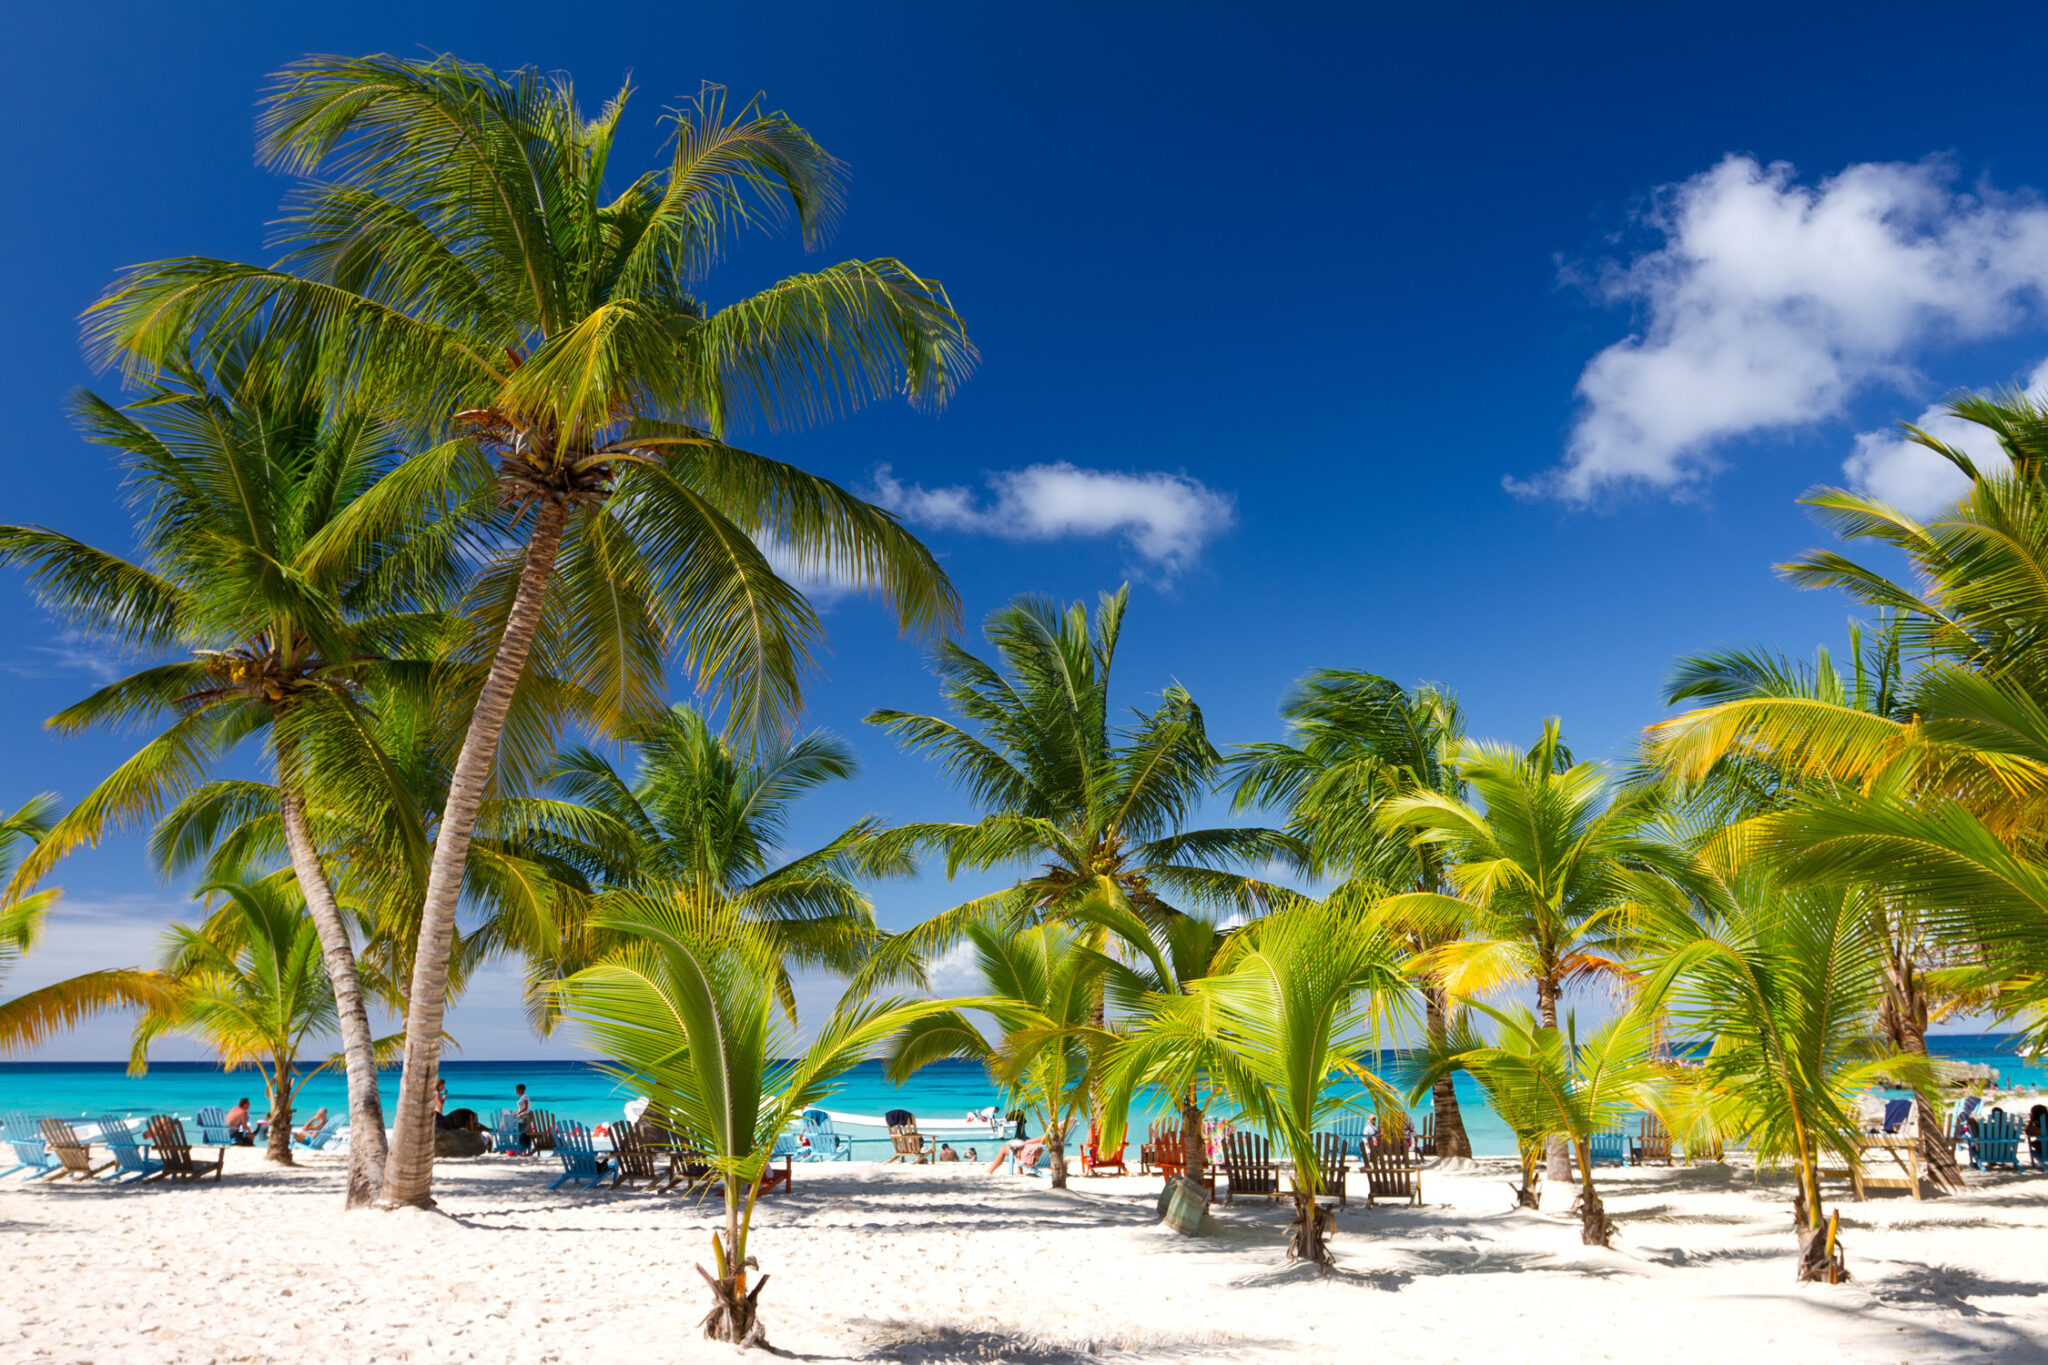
1787 985
701 826
1546 867
698 1029
462 257
1096 807
1565 1087
249 983
1355 741
1042 987
288 621
30 1019
1281 1032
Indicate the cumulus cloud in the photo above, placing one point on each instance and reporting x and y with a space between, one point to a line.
1166 519
1913 478
1769 302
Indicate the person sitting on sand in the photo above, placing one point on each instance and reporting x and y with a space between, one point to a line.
973 1155
314 1124
240 1130
946 1152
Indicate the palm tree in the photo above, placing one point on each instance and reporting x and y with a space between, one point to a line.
30 1019
254 569
1356 740
1279 1031
1042 989
700 825
698 1029
1745 784
1565 1088
460 260
249 983
1545 869
1787 985
1097 807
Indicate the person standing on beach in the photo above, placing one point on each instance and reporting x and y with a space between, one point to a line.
440 1096
524 1109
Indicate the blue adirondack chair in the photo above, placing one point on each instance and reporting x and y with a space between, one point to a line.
1996 1141
130 1157
827 1142
508 1134
580 1161
213 1128
1610 1148
32 1155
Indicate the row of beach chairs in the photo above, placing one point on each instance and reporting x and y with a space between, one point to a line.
51 1149
645 1154
1389 1174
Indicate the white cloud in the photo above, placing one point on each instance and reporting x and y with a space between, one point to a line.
1770 302
1913 478
1167 519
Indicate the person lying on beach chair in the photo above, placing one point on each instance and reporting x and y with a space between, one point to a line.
313 1126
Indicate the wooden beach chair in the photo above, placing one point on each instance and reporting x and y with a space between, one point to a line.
75 1157
212 1123
1653 1143
1996 1141
133 1160
785 1150
540 1130
1391 1175
32 1155
1248 1165
910 1145
1609 1148
1164 1149
167 1134
1425 1136
1331 1164
636 1161
1093 1162
508 1134
827 1142
580 1160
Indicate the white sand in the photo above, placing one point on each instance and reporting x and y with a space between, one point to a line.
949 1264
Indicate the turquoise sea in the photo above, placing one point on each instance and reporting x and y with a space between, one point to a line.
943 1091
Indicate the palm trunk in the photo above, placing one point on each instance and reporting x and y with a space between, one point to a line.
1194 1152
366 1145
735 1316
1057 1148
409 1173
1903 1017
279 1146
1820 1250
1595 1228
1451 1138
1557 1161
1309 1238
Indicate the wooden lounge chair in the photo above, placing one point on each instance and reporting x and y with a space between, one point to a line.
1248 1164
540 1130
75 1156
1391 1175
910 1145
1425 1136
213 1128
32 1155
827 1142
1331 1164
1610 1148
1652 1144
1164 1149
1094 1162
785 1151
635 1160
167 1134
1996 1141
134 1161
580 1161
508 1134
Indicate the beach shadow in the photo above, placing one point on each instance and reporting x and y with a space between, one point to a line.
934 1344
1951 1287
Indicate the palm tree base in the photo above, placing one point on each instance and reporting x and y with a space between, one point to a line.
736 1317
1309 1237
1820 1245
1596 1229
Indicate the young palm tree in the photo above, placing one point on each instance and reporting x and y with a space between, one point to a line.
698 1029
1279 1032
30 1019
1042 988
1545 873
1787 984
1744 785
288 624
1096 807
463 258
700 826
1564 1088
1356 741
249 983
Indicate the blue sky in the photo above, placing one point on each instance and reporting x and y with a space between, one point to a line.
1489 347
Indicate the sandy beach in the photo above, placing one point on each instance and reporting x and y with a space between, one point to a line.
943 1264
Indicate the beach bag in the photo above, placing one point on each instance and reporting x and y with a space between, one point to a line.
1183 1205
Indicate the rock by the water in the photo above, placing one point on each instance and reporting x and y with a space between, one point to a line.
454 1142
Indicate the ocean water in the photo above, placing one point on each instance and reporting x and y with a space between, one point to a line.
578 1090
